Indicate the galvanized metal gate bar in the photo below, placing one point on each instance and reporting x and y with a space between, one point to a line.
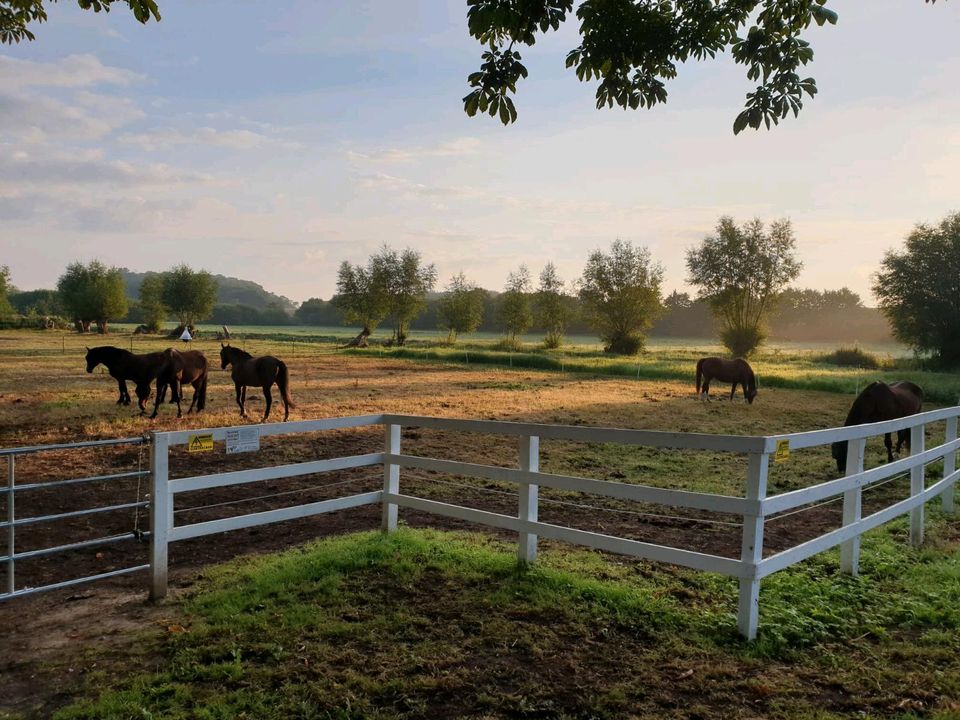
12 523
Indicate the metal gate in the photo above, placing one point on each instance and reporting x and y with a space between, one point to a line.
12 523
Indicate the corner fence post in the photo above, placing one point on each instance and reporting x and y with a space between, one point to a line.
950 466
751 550
529 496
161 505
852 507
391 477
917 485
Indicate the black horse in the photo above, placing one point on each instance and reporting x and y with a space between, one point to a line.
876 403
124 365
188 367
260 372
732 371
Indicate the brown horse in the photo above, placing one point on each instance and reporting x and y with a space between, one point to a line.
260 372
876 403
124 365
732 371
180 368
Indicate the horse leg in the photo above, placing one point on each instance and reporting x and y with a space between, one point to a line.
706 389
733 390
888 443
122 385
903 437
241 396
161 394
269 398
193 401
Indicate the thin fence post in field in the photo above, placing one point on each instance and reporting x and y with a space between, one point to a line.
917 483
391 477
751 550
852 507
161 506
950 466
11 518
529 496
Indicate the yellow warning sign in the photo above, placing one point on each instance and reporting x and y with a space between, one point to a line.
783 451
200 443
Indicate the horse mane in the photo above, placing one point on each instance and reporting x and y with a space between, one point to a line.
857 410
238 352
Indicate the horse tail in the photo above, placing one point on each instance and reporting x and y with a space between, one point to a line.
283 382
202 393
699 373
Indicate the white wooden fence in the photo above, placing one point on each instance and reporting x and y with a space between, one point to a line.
755 506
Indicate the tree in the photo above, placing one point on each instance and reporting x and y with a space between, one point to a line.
553 306
620 293
152 309
188 294
632 48
918 289
92 293
15 15
513 305
405 282
6 309
460 309
360 299
316 312
739 272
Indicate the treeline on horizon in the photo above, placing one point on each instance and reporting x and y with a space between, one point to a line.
801 314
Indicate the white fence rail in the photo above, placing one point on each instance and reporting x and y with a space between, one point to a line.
755 507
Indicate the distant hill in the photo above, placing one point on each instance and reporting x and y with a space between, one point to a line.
230 291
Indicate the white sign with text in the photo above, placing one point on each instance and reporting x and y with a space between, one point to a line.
240 440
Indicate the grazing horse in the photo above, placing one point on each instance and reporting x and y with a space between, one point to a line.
124 365
732 371
876 403
260 372
188 367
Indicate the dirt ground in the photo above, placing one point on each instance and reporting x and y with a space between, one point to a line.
51 639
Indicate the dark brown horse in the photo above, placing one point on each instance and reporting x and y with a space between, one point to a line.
260 372
876 403
732 371
124 365
188 367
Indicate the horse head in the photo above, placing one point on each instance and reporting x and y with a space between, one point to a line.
225 356
93 359
839 452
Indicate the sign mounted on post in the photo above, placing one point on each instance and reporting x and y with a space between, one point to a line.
243 440
782 453
200 443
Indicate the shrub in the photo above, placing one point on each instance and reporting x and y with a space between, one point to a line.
852 357
742 341
624 343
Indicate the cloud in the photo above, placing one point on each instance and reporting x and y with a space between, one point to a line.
383 182
29 117
451 148
164 138
46 170
73 71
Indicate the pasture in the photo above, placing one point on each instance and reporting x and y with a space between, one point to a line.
441 622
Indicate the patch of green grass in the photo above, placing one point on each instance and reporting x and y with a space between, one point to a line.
426 623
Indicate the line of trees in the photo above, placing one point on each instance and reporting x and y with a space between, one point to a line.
92 295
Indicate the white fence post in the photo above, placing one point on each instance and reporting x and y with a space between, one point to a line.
160 511
391 477
11 518
917 484
529 500
751 551
852 508
950 466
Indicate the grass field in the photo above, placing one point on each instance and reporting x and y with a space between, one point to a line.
441 622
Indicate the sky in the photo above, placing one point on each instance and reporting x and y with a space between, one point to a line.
271 141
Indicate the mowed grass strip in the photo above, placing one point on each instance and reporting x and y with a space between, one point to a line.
447 625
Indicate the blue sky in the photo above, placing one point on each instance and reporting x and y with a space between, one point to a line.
273 140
